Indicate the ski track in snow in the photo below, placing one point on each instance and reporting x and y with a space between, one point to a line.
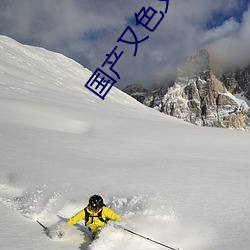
43 117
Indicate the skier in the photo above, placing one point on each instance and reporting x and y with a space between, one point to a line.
95 214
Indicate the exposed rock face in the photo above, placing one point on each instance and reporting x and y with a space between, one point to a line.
199 97
137 91
134 88
237 81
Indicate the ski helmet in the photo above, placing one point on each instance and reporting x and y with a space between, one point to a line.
95 202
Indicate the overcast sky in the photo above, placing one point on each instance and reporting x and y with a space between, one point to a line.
87 30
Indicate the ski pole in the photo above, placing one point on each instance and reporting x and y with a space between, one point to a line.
45 228
146 238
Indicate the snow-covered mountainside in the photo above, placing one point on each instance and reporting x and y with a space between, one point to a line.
182 185
198 96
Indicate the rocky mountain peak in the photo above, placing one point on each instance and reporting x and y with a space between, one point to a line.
197 64
202 97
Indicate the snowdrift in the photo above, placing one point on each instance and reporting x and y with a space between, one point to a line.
182 185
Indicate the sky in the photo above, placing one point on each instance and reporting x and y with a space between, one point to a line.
88 30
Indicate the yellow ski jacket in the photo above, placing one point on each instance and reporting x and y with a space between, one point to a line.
94 223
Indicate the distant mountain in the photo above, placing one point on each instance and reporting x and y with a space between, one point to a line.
201 95
237 81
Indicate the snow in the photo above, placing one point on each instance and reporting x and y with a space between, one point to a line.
242 99
182 185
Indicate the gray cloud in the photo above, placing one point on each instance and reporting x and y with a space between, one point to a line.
233 49
87 30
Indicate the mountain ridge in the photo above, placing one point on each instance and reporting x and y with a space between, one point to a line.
200 95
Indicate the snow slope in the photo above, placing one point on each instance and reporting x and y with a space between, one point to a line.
179 184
